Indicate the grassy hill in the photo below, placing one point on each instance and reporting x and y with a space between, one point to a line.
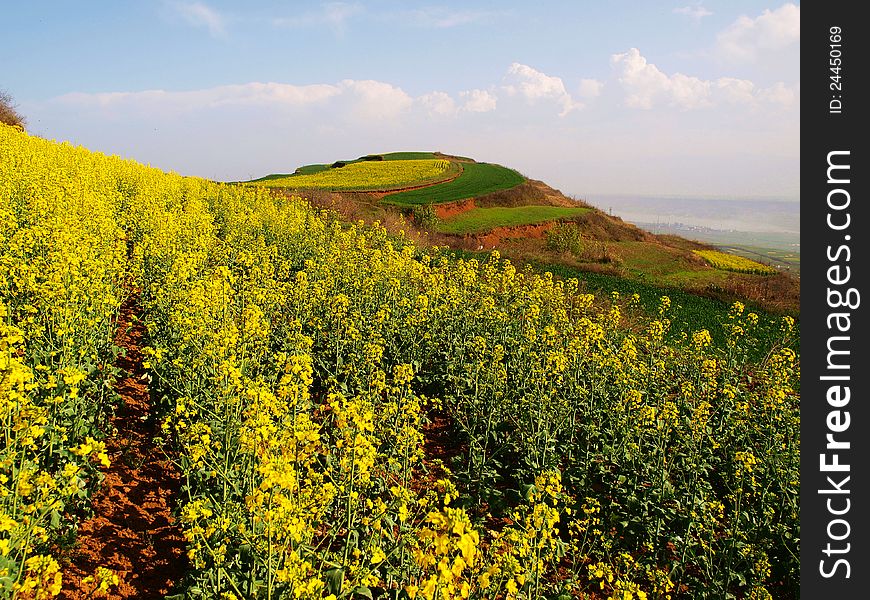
457 178
477 206
365 175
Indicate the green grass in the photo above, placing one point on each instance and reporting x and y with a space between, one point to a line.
476 179
304 170
688 312
653 259
408 155
484 219
308 170
266 178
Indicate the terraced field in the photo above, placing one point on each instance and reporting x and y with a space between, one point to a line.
318 167
484 219
477 179
363 175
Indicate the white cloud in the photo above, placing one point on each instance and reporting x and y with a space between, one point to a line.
645 84
438 104
478 101
695 12
443 105
535 85
334 15
250 94
364 98
376 99
244 131
689 92
779 94
746 38
199 14
736 91
590 88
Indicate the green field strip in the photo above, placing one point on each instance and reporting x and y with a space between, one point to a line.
484 219
477 179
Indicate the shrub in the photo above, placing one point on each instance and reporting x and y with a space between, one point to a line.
425 216
565 237
8 113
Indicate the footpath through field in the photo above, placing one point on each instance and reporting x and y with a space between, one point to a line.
132 531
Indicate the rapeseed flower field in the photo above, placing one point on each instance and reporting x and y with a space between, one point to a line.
732 262
301 360
367 175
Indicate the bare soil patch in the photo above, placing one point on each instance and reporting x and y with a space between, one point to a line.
493 238
133 531
451 209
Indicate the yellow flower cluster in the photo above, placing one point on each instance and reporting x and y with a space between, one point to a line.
732 262
101 581
366 175
62 266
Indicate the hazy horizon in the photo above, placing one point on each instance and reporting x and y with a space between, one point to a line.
722 214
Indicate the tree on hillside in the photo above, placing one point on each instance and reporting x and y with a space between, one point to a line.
8 113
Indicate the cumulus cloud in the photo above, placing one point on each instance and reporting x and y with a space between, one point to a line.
438 104
645 86
695 12
747 37
478 101
735 91
442 104
535 85
376 99
590 88
200 14
780 94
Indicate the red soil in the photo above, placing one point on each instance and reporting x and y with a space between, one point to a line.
132 531
439 439
493 238
451 209
441 446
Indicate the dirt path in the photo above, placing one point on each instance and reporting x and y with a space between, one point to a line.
132 531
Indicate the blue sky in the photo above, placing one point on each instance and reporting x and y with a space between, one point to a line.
648 98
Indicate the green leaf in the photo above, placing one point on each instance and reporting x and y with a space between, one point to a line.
334 580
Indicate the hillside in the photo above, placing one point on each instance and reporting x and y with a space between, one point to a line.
215 391
477 207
